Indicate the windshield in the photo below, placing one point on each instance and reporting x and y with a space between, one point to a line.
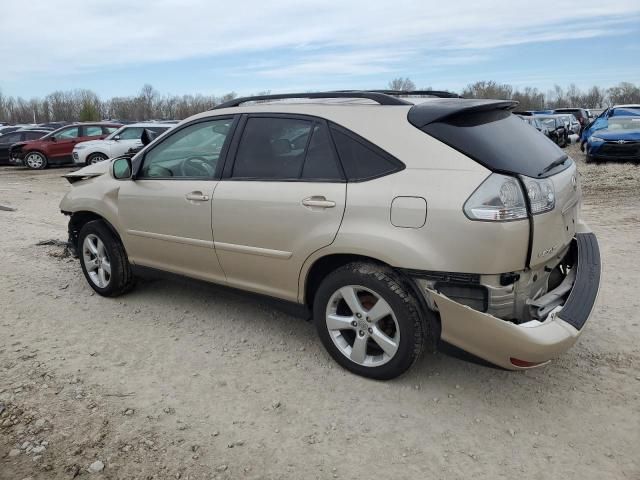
548 122
622 123
117 132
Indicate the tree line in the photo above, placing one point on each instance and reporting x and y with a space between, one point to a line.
149 104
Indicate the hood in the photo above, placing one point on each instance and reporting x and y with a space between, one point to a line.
90 171
612 135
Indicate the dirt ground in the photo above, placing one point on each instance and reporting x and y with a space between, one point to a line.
184 380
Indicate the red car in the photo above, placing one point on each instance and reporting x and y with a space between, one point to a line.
56 147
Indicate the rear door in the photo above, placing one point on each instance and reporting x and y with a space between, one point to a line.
281 198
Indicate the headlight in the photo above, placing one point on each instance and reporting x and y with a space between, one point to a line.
595 139
79 147
500 198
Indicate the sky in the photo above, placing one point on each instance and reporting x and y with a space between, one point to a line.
206 46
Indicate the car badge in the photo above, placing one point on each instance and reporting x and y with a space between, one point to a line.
621 141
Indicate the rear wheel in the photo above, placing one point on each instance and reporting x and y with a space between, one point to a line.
368 322
35 160
95 158
104 261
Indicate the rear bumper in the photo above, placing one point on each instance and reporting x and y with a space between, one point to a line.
517 346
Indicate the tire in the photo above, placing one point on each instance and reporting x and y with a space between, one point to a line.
107 250
36 160
402 331
588 159
95 158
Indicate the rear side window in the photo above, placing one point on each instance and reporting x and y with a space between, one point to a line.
11 138
92 131
285 149
360 159
320 162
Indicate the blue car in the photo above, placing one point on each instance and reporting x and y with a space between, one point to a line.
614 138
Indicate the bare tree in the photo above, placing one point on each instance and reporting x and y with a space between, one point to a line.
624 93
488 89
402 84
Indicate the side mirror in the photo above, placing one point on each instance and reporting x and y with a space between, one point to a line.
117 137
121 168
54 139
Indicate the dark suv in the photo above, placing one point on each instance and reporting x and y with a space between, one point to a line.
56 147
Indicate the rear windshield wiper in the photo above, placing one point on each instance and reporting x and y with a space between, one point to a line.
554 164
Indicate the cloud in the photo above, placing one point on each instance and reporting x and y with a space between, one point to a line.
318 37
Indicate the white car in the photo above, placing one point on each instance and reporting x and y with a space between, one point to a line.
116 144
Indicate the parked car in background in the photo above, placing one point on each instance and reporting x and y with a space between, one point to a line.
571 122
116 144
56 147
619 139
8 139
11 128
556 128
579 113
535 122
502 266
602 119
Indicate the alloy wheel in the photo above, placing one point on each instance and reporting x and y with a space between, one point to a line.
96 261
97 159
362 325
34 160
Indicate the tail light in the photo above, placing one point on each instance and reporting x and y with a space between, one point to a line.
500 198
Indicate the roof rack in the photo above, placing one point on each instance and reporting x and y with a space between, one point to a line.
433 93
379 97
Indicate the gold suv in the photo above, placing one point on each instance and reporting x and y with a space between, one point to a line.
396 225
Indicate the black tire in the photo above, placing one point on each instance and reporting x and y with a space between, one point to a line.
121 279
30 160
588 159
95 158
387 285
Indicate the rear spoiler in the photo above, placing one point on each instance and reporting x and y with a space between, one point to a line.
439 109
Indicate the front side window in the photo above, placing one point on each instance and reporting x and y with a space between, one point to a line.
193 151
285 149
68 133
131 133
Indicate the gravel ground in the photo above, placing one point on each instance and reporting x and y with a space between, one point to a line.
184 380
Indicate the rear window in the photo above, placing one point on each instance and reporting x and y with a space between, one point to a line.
360 159
499 141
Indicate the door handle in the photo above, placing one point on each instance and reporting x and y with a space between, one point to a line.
197 197
318 202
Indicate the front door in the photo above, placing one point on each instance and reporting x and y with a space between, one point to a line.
65 140
166 210
282 199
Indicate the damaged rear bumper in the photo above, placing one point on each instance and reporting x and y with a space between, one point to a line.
535 342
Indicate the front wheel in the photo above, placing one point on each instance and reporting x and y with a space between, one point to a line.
35 160
368 322
96 158
104 261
